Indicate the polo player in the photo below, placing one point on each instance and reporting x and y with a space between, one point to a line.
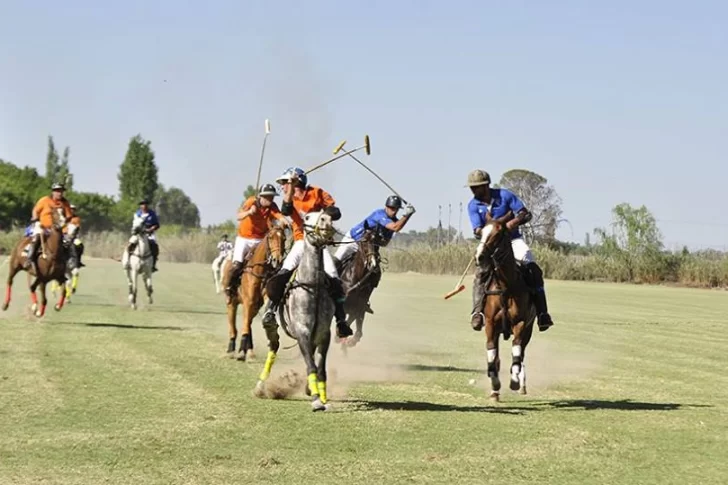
151 225
253 216
382 221
300 199
71 231
224 248
41 219
496 203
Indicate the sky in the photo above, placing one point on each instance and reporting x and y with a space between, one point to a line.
612 102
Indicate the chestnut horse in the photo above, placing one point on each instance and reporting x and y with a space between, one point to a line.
50 264
360 274
509 307
260 264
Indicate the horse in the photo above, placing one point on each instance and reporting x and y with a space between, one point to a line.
360 273
219 266
72 273
260 264
50 265
307 311
508 307
140 262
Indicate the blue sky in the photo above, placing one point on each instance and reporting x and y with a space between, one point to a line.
613 101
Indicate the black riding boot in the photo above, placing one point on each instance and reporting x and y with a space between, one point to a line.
234 282
539 297
477 318
30 262
275 288
336 290
79 253
155 255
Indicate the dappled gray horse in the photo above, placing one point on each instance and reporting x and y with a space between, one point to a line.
308 309
139 261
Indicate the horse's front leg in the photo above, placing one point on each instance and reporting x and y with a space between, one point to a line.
148 286
323 350
131 277
9 283
493 357
43 300
306 346
274 343
62 298
232 314
518 370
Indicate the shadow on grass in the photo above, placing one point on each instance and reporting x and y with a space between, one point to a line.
123 326
149 308
440 368
618 405
363 405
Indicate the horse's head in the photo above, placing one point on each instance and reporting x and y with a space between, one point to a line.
495 243
276 239
137 225
318 228
369 245
59 219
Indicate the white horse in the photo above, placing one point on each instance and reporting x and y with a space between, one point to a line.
138 262
225 249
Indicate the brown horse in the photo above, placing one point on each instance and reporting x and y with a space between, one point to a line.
50 264
360 274
509 307
260 264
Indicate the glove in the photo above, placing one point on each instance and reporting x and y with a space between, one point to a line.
409 210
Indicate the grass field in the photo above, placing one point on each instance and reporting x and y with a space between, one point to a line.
629 386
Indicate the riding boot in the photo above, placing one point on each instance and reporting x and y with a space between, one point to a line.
234 282
539 297
477 317
275 288
79 253
336 290
155 254
30 262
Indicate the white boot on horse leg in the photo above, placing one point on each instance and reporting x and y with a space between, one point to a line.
493 368
150 289
516 368
522 379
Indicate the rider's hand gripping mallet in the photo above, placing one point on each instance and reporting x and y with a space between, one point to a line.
460 286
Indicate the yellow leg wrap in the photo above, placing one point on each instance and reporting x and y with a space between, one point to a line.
74 281
68 291
322 391
313 384
268 365
54 286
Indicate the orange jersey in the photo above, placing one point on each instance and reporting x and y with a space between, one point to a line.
314 199
255 226
76 221
45 207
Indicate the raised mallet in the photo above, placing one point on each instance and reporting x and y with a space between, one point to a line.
262 152
366 146
339 148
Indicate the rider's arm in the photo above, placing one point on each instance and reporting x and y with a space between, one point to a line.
475 220
522 214
394 226
39 206
245 210
287 204
329 204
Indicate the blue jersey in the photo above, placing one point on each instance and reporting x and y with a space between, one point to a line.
151 218
377 218
501 201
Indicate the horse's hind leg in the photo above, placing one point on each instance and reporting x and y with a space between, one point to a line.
232 313
525 336
148 286
323 350
131 277
40 311
274 343
246 341
62 298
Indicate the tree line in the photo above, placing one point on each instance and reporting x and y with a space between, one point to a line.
138 176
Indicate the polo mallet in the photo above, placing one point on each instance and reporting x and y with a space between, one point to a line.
460 286
262 152
366 146
338 149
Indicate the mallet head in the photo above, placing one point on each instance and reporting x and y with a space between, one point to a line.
339 147
367 146
267 127
455 292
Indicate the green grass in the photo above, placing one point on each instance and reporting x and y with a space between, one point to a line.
629 386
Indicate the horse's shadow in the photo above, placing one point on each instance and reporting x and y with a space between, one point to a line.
616 405
440 368
124 326
366 405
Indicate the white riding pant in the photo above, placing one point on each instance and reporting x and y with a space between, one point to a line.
347 246
37 228
243 246
521 251
296 253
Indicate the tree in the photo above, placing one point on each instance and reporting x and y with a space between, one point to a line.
20 188
95 210
250 191
52 165
138 173
634 240
176 207
538 197
63 173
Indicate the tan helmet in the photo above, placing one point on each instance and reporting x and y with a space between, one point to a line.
477 178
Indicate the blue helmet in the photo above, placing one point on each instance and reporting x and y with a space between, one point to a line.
288 173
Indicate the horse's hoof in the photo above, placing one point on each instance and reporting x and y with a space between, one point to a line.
515 385
241 356
495 397
5 306
34 307
57 307
522 391
317 405
259 390
308 391
39 314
